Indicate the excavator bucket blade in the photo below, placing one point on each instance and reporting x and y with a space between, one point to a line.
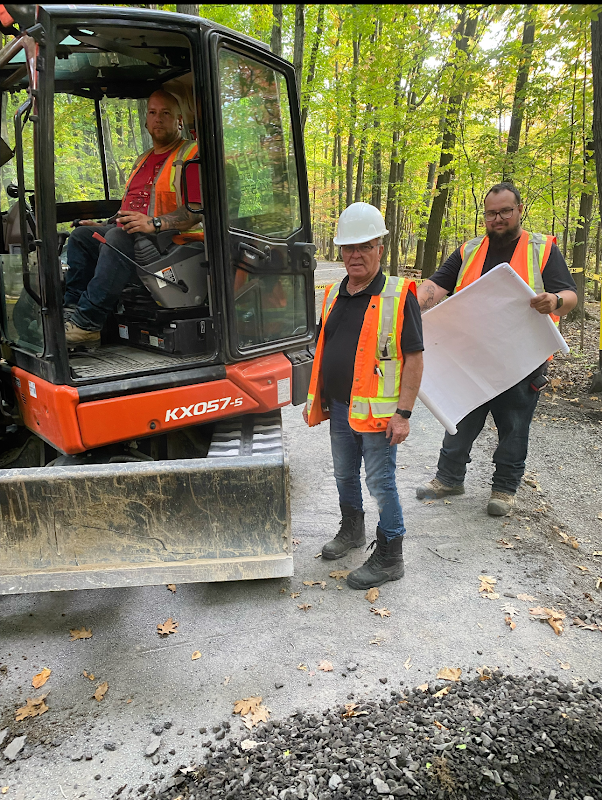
221 518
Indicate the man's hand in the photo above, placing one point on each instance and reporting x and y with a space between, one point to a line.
87 222
136 222
545 303
398 429
304 413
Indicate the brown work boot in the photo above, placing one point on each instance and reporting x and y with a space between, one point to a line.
435 489
78 336
500 504
384 564
352 533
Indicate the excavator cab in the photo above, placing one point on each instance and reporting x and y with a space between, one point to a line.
203 348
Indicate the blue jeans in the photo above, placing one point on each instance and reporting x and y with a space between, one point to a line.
348 447
97 275
512 412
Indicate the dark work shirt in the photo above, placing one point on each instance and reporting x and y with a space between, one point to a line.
556 276
342 334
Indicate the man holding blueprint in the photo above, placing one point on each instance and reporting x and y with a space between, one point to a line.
539 262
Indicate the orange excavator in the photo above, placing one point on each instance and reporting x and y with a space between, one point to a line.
157 457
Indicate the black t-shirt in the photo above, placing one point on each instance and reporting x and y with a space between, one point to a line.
342 333
556 276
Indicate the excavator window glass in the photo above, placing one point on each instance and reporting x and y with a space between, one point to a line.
261 176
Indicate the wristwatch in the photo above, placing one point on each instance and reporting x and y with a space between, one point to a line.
157 224
559 301
403 412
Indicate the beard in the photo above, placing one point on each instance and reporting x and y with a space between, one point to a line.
505 237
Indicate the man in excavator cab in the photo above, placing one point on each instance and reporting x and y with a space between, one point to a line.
152 203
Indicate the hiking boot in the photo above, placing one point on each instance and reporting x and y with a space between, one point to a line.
352 533
78 336
500 504
433 490
385 563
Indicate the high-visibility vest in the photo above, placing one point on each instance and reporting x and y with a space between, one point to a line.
528 260
378 359
166 192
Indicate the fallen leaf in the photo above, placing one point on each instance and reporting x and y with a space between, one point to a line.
34 707
171 587
442 692
510 622
325 666
447 502
339 574
311 674
449 673
127 702
553 616
227 680
315 583
484 673
296 541
302 667
506 544
598 583
196 654
248 744
424 687
283 591
170 626
294 595
382 612
372 595
247 705
583 569
4 789
441 727
304 606
40 679
526 597
80 633
510 610
486 587
350 709
319 555
597 553
88 675
586 627
378 640
563 665
101 691
408 662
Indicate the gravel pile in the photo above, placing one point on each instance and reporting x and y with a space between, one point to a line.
516 737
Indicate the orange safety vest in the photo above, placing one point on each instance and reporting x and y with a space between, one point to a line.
529 259
378 360
166 194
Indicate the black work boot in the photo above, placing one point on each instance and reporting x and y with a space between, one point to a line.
384 564
352 533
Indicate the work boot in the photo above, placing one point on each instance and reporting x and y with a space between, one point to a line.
76 336
385 563
500 504
435 489
352 533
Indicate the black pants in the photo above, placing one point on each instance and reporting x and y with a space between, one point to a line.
512 412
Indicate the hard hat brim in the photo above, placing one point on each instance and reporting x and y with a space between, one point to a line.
357 240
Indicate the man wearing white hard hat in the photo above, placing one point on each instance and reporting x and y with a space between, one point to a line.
365 378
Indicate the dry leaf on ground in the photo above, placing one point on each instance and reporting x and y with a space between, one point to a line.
506 544
484 673
350 709
248 744
325 666
304 606
527 597
442 692
88 675
449 673
339 574
583 569
247 705
294 595
40 679
441 727
261 714
510 622
34 707
563 665
80 633
382 612
553 616
424 687
170 626
196 654
510 610
315 583
296 541
372 595
570 540
377 640
597 553
586 627
101 691
302 667
227 680
487 587
171 587
598 583
408 662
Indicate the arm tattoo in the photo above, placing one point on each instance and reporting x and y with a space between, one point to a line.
429 301
181 219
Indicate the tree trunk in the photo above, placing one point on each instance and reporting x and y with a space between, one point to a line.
147 142
276 37
299 41
582 232
465 31
391 207
192 9
359 178
353 117
311 70
520 91
597 82
597 286
333 214
430 182
377 171
565 233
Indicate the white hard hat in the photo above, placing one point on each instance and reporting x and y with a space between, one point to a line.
360 222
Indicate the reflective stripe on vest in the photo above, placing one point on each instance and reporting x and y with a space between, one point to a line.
168 179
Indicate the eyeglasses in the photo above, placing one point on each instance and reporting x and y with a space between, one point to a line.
363 249
505 213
